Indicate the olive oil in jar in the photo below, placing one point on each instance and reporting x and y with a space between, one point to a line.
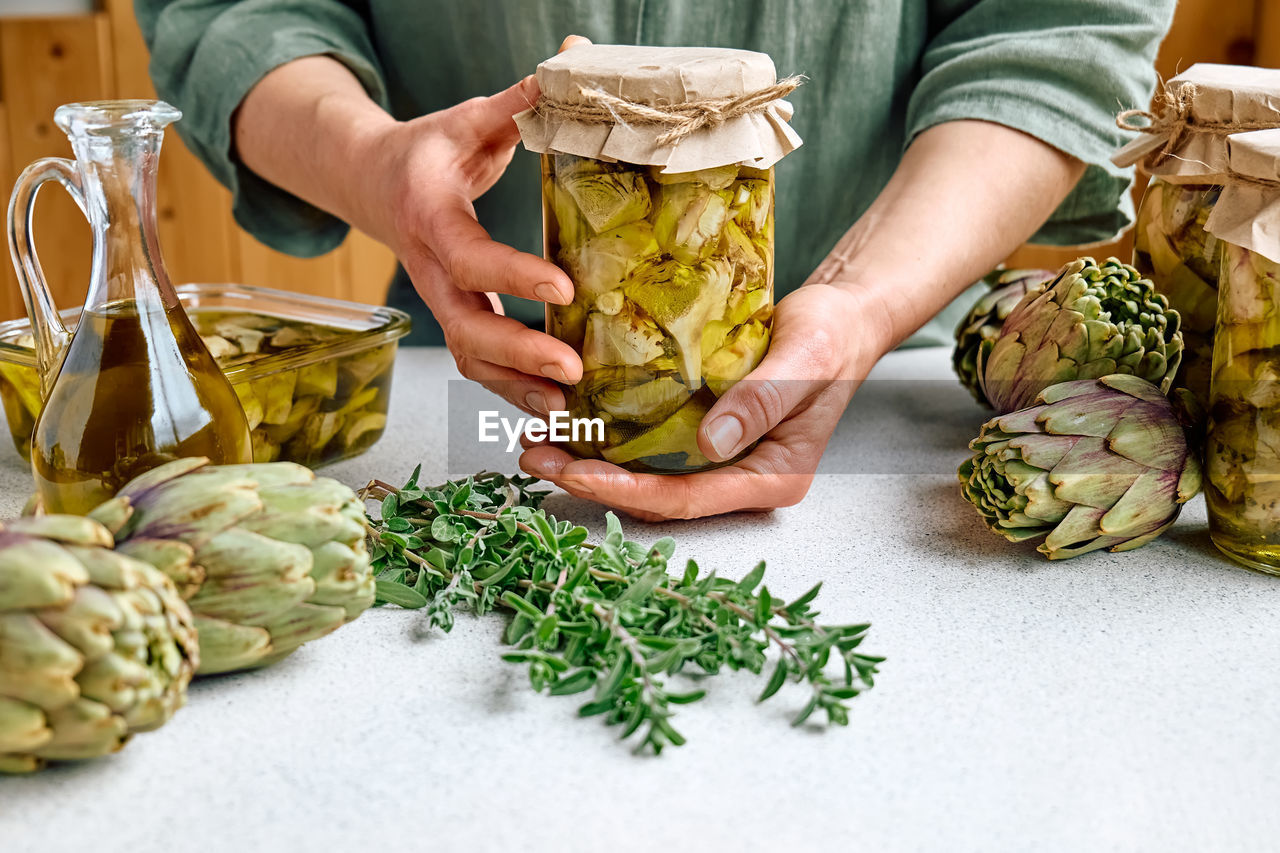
135 390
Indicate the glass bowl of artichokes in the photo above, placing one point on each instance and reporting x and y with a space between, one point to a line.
313 374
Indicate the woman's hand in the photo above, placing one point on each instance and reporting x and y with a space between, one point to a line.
431 169
309 127
824 343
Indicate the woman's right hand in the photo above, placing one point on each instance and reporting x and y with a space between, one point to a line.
427 172
309 127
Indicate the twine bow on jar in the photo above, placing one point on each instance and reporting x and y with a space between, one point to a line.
599 107
1171 115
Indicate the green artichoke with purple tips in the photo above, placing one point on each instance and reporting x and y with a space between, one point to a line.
1094 464
1092 320
981 326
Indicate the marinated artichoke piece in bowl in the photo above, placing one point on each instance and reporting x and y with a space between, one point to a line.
670 309
1242 448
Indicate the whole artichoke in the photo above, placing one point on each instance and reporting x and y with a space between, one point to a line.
94 645
981 326
1095 464
1091 320
268 555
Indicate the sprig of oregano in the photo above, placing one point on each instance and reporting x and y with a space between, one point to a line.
605 617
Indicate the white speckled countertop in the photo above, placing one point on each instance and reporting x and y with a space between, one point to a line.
1113 702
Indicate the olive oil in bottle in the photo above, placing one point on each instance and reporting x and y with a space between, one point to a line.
135 390
134 386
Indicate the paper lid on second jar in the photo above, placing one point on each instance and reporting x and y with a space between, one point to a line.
682 108
1248 212
1193 116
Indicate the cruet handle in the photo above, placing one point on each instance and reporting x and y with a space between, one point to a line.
51 336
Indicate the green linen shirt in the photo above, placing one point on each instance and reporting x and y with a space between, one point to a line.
880 72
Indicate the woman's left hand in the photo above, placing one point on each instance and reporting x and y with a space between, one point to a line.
824 343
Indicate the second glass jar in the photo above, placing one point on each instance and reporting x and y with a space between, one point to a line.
1242 449
673 283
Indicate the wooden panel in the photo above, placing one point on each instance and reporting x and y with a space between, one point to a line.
371 266
10 300
323 276
196 232
1203 31
1267 34
45 63
48 62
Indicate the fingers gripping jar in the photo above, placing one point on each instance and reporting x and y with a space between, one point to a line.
657 192
1242 447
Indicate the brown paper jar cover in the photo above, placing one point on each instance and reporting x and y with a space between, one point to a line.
660 76
1223 96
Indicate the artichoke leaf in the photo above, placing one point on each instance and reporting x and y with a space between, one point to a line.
604 261
741 354
619 340
716 178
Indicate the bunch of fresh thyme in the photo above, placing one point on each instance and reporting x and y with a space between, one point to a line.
606 617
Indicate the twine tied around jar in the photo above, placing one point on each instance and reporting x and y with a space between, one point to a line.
1234 177
684 118
1171 115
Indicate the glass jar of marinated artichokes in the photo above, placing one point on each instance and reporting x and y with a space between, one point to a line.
1242 445
670 247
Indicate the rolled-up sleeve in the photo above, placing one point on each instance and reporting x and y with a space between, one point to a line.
1058 71
206 56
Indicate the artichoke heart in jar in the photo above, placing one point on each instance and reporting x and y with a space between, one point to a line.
664 223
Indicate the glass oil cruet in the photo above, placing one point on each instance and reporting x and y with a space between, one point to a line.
134 386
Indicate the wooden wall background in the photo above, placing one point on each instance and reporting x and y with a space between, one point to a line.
45 62
1239 32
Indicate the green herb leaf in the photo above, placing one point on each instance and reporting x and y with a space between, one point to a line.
393 592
